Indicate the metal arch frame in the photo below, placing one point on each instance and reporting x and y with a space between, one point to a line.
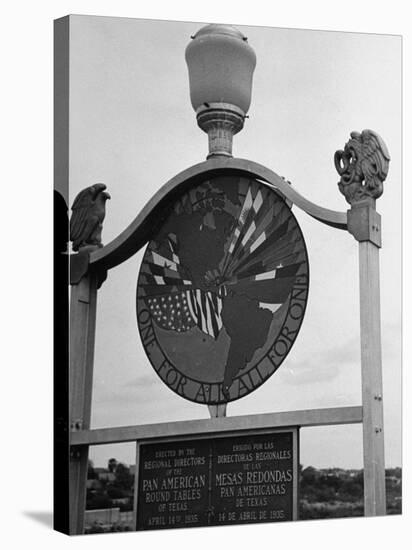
137 234
360 220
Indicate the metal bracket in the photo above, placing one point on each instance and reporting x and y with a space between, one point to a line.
76 425
75 453
364 223
217 411
79 266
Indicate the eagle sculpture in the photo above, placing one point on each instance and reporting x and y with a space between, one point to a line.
89 210
363 166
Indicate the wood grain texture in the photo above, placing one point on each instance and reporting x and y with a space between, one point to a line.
147 432
372 399
82 335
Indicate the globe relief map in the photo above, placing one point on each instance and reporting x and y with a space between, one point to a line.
222 289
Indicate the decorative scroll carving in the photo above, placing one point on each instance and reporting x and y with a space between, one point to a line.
363 166
86 223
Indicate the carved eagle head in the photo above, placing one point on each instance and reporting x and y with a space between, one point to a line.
363 166
99 192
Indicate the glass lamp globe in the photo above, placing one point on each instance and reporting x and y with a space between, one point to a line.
221 65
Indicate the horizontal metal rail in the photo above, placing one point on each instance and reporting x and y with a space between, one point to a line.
305 418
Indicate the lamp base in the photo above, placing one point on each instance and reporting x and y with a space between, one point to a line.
221 121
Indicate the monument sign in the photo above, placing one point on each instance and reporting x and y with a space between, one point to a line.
218 481
221 296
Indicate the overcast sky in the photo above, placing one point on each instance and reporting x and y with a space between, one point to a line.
132 127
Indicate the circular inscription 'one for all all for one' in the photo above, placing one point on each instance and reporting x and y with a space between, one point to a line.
222 289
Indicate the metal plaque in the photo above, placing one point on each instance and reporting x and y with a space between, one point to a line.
222 289
219 481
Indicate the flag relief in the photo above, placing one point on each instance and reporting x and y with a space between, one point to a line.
218 279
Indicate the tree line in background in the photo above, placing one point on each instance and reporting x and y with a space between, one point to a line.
323 493
109 487
335 492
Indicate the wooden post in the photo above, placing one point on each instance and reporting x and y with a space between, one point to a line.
371 361
364 224
136 486
82 335
363 165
